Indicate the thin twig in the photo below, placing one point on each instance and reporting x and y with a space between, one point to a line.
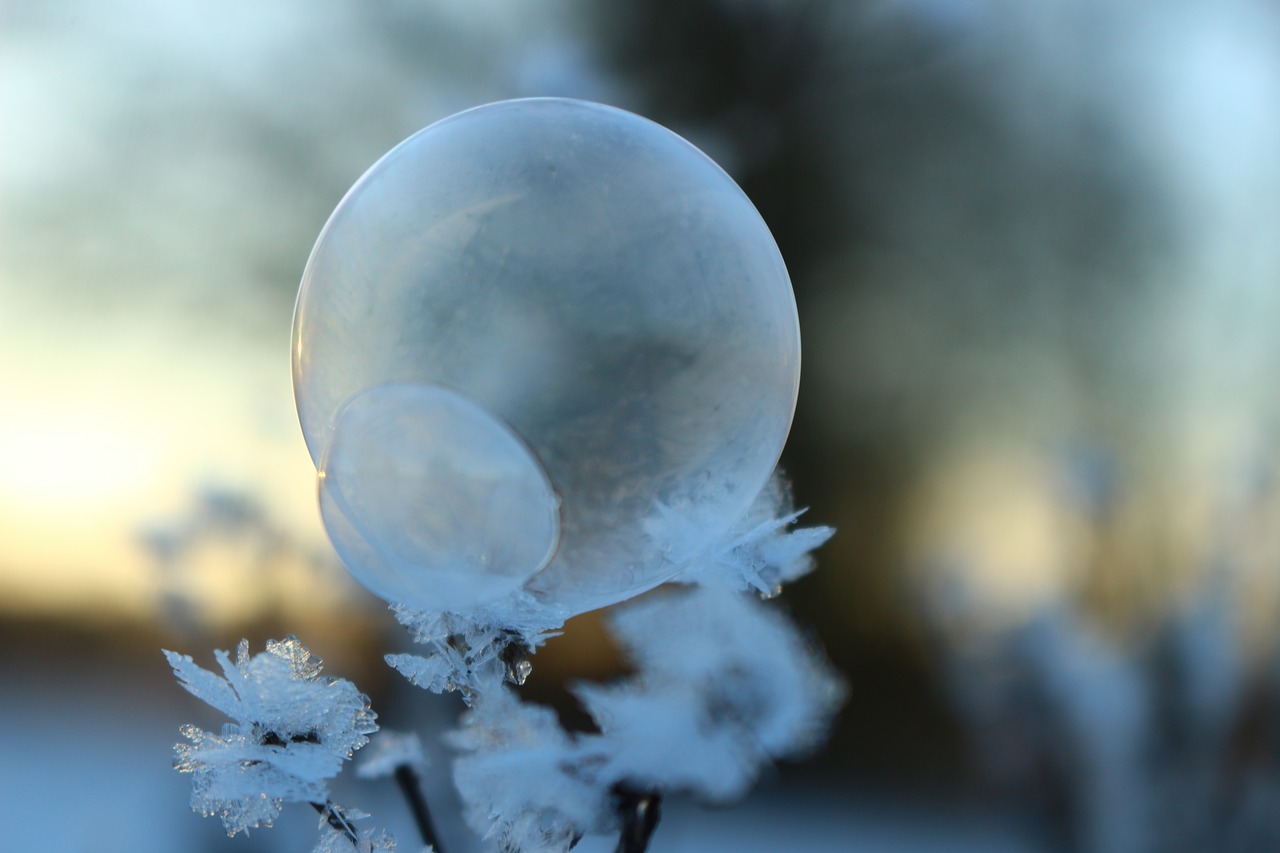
640 811
335 817
411 787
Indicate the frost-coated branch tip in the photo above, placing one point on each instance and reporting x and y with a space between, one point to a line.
293 730
338 833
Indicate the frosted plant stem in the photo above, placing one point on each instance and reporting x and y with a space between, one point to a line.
641 811
411 787
337 820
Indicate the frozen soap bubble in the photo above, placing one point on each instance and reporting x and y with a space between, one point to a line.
580 293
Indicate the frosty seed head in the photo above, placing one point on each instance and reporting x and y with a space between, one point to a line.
606 330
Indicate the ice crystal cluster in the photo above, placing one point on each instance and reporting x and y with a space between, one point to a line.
723 685
545 358
293 730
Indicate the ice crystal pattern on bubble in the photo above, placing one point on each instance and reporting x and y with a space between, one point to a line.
293 730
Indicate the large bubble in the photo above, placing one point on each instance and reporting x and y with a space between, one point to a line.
537 299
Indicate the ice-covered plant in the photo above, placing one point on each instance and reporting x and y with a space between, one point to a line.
545 357
293 730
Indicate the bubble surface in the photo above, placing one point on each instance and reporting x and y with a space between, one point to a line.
431 501
589 280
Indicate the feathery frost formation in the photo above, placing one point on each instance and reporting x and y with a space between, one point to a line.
293 730
724 684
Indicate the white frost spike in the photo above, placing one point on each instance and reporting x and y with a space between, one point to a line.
761 553
519 614
443 672
725 683
431 501
468 653
668 738
370 841
525 782
302 665
389 752
292 731
334 840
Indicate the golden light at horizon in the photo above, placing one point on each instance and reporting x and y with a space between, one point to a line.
107 435
76 454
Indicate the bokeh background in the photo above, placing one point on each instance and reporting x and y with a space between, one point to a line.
1035 251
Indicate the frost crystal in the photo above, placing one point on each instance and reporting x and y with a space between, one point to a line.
487 645
293 730
724 685
367 841
762 553
391 751
469 653
528 785
337 835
